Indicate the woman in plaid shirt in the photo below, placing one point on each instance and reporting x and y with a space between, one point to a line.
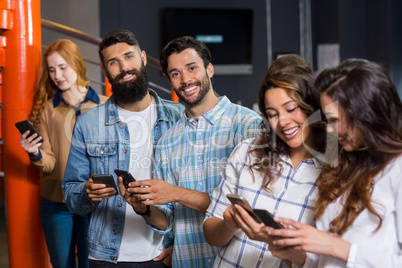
276 171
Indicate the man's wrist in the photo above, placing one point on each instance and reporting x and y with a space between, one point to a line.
146 213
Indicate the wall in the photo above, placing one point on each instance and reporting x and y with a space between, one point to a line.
143 18
367 29
364 28
83 16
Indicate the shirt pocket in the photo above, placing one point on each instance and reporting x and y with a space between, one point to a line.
103 156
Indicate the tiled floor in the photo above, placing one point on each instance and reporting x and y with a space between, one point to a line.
3 238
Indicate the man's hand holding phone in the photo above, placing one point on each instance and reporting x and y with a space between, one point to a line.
100 187
154 191
126 176
124 180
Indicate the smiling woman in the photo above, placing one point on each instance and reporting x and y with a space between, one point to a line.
358 205
287 120
274 172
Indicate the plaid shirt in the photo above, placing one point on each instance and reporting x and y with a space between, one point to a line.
192 155
293 196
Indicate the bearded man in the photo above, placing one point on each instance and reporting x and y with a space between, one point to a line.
120 134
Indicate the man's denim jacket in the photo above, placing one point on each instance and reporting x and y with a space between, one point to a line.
100 144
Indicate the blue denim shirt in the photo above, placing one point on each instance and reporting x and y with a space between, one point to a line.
100 144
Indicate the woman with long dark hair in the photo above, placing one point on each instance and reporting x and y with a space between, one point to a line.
358 215
275 172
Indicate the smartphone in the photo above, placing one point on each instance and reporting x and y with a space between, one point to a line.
267 218
25 125
127 177
240 200
106 179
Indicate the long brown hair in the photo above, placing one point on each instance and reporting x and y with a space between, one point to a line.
45 88
371 104
295 75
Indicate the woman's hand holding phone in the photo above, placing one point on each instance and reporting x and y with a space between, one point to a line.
250 222
30 137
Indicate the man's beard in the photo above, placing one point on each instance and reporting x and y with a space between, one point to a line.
205 86
133 90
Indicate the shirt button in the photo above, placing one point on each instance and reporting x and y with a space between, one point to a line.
116 231
121 126
112 258
125 151
209 260
200 183
101 151
119 204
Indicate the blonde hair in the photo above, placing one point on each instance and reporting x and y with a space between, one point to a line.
45 88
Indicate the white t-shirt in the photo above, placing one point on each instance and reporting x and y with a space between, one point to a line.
139 241
381 248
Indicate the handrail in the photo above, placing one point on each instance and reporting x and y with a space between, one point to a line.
153 62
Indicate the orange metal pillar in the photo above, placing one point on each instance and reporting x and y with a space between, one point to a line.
175 98
27 247
108 87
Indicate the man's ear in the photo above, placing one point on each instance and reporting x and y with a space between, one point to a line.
103 70
210 70
144 57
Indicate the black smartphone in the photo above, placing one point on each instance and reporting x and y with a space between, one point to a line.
267 218
127 177
25 125
106 179
240 200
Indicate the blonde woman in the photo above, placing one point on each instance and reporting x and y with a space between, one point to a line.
62 94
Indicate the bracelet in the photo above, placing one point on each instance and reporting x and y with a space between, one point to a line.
146 213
